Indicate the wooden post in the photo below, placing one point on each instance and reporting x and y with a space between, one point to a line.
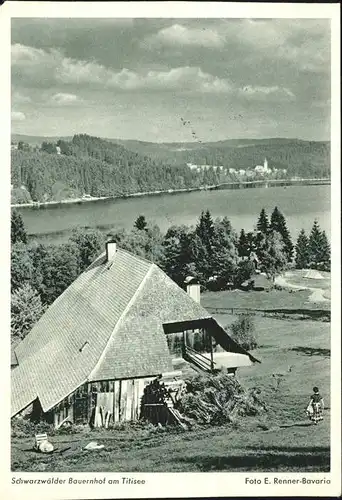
211 353
89 401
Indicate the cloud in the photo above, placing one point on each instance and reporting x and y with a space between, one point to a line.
42 67
321 103
264 92
65 99
304 43
185 78
34 66
66 71
19 98
17 116
182 36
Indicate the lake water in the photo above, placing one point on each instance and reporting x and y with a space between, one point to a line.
300 205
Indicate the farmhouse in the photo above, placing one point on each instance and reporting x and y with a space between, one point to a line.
105 338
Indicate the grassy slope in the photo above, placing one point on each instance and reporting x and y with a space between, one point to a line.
298 447
275 299
215 449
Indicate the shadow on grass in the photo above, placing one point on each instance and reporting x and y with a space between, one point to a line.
269 458
290 449
306 424
312 351
311 313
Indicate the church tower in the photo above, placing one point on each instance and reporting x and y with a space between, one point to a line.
265 164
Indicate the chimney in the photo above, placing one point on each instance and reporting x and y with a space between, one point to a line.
110 250
193 288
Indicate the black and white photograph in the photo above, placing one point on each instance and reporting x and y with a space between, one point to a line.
171 248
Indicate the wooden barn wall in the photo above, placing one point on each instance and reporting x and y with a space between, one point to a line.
122 398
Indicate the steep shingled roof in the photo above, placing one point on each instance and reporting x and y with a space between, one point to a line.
106 325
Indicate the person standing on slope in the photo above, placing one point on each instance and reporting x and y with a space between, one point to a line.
315 407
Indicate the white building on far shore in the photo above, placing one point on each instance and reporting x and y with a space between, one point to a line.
263 169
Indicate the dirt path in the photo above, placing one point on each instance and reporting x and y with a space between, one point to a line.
317 293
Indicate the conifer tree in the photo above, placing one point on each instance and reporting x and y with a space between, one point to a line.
302 251
177 253
140 223
319 249
263 222
325 257
205 229
213 249
243 244
18 232
314 241
278 223
224 254
201 259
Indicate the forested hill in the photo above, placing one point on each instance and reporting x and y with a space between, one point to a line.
99 167
300 158
88 165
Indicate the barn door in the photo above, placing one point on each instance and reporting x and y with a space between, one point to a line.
81 405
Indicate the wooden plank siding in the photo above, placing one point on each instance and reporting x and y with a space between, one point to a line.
124 404
117 393
130 396
123 400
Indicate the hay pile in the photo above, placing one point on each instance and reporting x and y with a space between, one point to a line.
219 399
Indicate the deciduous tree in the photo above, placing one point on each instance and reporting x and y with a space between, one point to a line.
273 258
22 269
90 243
243 331
26 309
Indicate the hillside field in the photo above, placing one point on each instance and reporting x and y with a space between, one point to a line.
274 300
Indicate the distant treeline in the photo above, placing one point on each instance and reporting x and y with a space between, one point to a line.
97 167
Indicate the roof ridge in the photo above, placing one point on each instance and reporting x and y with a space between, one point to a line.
119 249
123 315
143 259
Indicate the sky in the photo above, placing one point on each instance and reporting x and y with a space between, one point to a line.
171 80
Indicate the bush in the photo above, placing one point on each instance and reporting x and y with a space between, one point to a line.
242 331
218 399
23 427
